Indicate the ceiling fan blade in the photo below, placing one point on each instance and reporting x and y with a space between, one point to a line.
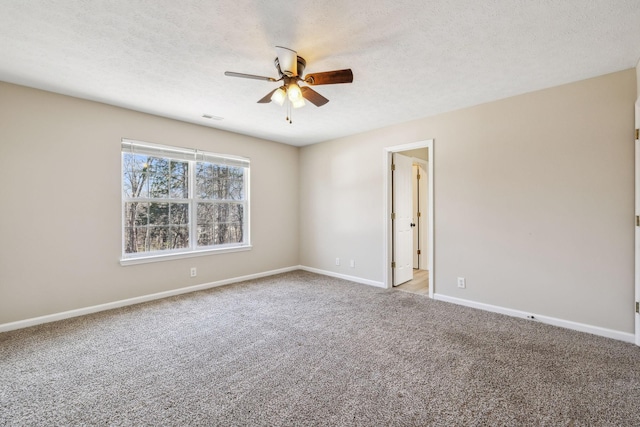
249 76
313 97
288 60
330 77
267 97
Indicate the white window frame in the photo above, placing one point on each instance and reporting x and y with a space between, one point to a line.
192 156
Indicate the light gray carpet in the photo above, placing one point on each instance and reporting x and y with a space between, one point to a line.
300 349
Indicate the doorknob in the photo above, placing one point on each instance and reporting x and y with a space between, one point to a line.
413 225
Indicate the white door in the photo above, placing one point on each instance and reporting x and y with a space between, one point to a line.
416 219
637 255
403 210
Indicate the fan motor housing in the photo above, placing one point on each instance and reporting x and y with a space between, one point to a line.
301 65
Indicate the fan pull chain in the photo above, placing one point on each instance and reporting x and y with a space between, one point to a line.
289 113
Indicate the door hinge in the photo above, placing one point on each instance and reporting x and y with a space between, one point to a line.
419 214
393 265
393 166
637 220
393 216
418 176
419 252
637 133
637 307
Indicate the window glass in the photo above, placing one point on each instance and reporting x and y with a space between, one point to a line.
160 216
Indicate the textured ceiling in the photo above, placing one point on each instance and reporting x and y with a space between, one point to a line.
410 59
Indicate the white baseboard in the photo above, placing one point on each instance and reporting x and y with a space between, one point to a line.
136 300
342 276
595 330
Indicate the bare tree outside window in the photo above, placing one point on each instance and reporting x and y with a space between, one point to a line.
220 220
159 213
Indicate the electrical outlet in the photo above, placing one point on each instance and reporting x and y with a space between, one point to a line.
194 272
352 263
462 283
337 261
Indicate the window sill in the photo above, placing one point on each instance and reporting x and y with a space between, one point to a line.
181 255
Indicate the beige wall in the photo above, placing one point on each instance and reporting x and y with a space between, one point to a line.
57 151
534 201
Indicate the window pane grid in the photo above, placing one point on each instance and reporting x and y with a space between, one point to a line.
220 223
219 182
166 201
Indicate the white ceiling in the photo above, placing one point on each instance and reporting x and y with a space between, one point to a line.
410 58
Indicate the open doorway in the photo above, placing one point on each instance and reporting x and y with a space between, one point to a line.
419 282
409 224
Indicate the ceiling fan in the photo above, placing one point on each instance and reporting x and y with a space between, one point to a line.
290 67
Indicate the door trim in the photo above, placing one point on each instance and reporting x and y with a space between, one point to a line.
636 315
387 230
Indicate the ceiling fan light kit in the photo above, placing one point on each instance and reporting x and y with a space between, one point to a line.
293 91
290 69
279 95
